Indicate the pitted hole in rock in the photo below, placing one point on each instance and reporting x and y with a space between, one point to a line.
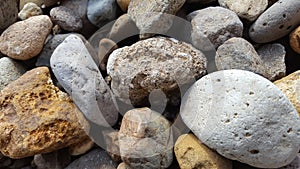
265 24
281 26
284 15
251 93
254 151
289 27
290 130
227 121
247 134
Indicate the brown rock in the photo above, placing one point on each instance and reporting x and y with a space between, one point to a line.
25 39
191 154
290 86
106 47
36 117
123 4
295 40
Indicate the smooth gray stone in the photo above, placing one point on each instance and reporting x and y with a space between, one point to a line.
76 71
244 117
276 22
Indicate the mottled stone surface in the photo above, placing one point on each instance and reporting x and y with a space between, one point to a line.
30 9
295 40
155 63
8 13
191 153
146 139
244 117
36 117
290 86
25 39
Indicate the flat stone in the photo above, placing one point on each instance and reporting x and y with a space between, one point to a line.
154 64
123 4
212 26
36 117
8 14
153 17
95 159
295 40
237 53
290 86
25 39
273 57
30 9
276 22
40 3
146 139
77 72
10 71
244 117
101 12
57 159
191 153
249 9
66 19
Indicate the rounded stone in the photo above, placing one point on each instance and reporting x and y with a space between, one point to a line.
8 13
244 117
145 139
276 22
156 63
106 47
295 40
66 18
123 4
237 53
249 9
25 39
212 26
30 9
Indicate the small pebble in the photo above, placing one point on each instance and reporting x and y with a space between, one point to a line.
295 40
30 9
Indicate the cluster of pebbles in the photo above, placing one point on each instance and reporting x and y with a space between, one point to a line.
129 84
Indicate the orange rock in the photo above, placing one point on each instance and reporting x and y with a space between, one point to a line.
36 117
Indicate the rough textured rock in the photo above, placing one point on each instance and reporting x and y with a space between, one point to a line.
36 117
295 40
244 117
10 71
123 4
77 72
101 12
30 9
237 53
25 39
248 9
66 18
142 128
276 22
95 159
212 26
151 17
290 86
81 147
58 159
191 153
112 145
40 3
106 47
8 13
273 57
155 63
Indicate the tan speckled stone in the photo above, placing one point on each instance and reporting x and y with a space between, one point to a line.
295 40
36 117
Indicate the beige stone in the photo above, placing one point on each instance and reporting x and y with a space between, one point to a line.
25 39
81 147
192 154
295 40
290 86
30 9
112 145
36 117
123 4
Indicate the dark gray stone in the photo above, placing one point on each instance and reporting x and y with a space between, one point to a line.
58 160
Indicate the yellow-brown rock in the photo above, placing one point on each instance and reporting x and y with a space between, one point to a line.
295 40
123 4
290 86
192 154
36 117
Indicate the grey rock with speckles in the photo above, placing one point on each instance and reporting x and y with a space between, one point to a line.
244 117
8 13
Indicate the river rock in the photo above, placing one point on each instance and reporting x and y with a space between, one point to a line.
273 57
8 13
152 17
101 12
191 153
277 21
30 9
212 26
249 9
155 63
40 3
146 139
77 72
10 71
244 117
237 53
66 18
36 117
295 40
25 39
290 86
